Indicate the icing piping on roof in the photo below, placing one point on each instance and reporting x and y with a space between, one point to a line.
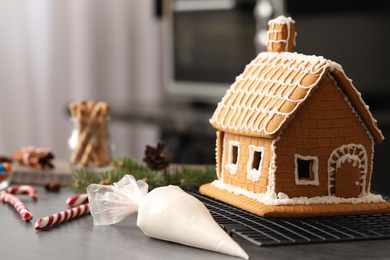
275 90
273 78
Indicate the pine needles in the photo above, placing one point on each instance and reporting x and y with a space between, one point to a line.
189 178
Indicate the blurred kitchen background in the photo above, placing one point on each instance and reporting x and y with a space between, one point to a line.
163 65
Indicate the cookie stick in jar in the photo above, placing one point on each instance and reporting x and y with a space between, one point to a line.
95 153
74 109
104 150
85 120
88 133
96 123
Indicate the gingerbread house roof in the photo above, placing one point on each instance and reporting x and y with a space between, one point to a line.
272 88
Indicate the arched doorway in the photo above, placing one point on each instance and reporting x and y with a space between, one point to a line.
347 169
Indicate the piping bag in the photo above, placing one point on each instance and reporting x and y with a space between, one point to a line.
166 213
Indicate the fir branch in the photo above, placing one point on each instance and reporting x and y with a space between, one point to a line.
82 178
191 178
186 177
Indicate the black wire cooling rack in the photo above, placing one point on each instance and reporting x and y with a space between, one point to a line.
286 231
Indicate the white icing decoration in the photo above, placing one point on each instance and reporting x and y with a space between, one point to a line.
373 120
282 195
274 61
372 165
354 110
351 153
314 169
272 31
230 166
354 159
218 160
270 198
223 149
272 168
252 173
281 20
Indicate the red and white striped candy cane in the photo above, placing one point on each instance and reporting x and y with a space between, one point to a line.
62 216
77 200
23 189
18 205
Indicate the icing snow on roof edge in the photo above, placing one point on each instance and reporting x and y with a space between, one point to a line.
285 60
281 20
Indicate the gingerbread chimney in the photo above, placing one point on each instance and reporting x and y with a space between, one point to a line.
281 34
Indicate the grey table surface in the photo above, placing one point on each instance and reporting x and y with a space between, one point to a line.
80 239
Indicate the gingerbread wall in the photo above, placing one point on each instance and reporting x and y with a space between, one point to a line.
324 123
240 178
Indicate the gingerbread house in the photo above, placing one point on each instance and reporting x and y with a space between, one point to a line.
294 136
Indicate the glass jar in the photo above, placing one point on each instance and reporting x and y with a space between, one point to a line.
90 144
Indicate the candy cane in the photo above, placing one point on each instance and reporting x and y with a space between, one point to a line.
77 200
23 189
18 205
62 216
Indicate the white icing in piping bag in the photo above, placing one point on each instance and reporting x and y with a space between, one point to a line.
171 214
166 213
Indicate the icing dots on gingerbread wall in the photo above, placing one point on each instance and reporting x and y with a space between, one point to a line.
281 34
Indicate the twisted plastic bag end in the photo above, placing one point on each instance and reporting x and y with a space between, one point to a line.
110 204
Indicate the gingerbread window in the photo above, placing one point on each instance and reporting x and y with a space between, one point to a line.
306 170
255 162
234 154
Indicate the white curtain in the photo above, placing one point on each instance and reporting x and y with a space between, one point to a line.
56 52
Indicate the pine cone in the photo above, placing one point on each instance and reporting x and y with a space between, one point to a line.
157 158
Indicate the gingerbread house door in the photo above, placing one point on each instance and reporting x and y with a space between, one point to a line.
347 171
